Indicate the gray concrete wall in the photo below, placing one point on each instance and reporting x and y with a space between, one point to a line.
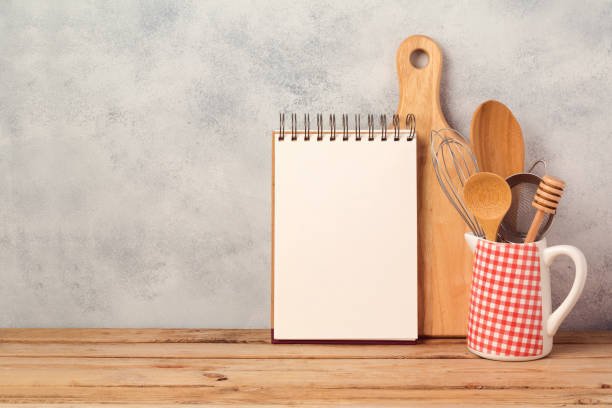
135 147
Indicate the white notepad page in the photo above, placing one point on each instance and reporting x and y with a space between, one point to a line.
345 239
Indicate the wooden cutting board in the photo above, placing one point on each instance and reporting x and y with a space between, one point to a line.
445 262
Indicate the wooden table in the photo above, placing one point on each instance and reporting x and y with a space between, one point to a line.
86 366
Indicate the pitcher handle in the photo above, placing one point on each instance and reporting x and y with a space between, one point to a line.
548 256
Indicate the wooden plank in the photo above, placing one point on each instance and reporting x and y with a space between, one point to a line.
269 351
369 397
249 336
369 404
584 337
562 337
135 335
313 374
240 366
232 351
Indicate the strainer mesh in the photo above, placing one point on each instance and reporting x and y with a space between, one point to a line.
518 219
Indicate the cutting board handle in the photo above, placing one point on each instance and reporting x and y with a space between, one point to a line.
419 88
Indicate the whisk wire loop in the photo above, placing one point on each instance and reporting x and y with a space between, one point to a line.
453 164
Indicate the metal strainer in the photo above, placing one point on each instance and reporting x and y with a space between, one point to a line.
518 219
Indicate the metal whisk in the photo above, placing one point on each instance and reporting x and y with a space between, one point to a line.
453 163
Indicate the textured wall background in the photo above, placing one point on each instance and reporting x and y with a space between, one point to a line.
135 148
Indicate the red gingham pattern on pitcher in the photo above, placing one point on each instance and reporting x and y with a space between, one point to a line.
506 300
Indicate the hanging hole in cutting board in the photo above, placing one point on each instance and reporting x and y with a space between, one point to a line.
419 59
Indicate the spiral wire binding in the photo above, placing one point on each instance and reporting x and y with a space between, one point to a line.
281 128
411 126
293 127
346 132
370 127
307 126
396 128
345 126
383 127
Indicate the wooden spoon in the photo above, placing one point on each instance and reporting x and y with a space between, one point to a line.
487 196
497 140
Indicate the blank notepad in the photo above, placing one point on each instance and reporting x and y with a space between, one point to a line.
344 239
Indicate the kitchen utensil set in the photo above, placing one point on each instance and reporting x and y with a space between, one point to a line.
510 314
486 184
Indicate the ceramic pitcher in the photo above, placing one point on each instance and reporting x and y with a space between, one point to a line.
510 316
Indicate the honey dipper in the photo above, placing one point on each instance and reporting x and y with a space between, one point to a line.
546 200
